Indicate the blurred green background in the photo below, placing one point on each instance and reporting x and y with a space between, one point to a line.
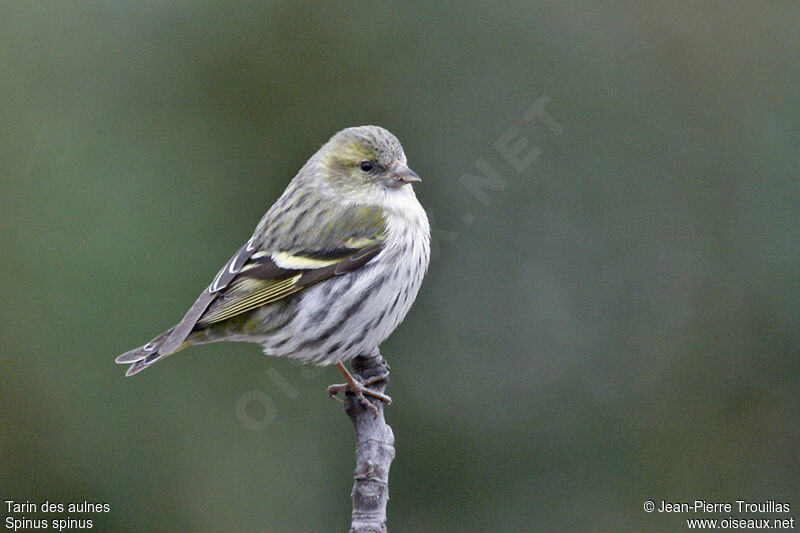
615 322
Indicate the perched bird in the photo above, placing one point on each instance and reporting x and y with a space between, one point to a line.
331 269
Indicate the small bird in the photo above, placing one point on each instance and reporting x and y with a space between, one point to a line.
331 269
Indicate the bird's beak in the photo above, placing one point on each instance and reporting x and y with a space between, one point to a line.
402 175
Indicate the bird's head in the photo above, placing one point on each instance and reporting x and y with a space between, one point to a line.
362 158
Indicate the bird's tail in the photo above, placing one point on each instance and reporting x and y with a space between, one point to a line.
144 356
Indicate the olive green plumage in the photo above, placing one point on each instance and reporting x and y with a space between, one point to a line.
330 270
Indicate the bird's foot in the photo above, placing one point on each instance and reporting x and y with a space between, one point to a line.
360 389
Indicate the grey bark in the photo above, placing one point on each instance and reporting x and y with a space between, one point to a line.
374 449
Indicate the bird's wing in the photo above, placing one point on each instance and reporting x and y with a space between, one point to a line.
221 280
262 281
275 263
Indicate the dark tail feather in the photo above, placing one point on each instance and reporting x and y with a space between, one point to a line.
146 355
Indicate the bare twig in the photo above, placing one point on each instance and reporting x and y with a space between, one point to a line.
374 449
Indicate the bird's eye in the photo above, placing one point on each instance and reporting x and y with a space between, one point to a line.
366 166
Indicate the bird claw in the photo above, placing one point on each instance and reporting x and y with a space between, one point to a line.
361 391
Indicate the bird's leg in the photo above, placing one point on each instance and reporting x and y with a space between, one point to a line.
360 390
